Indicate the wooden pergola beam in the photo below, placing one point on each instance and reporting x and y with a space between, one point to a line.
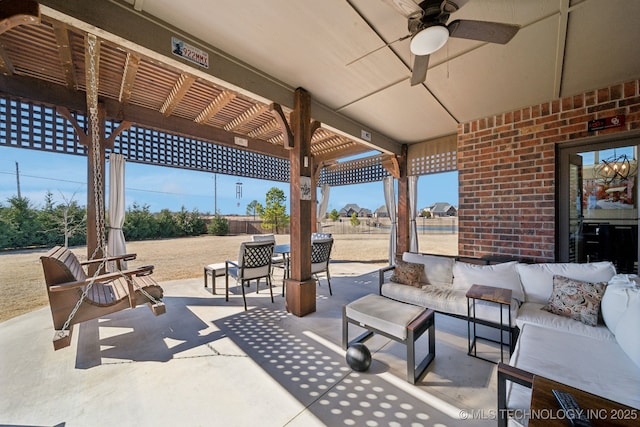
285 128
246 117
338 152
18 12
220 101
178 92
128 77
6 66
64 51
392 165
265 129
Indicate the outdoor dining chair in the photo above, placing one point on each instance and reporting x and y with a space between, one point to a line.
320 254
277 260
254 263
316 236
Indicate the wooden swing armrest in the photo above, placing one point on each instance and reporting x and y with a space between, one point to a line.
124 257
140 271
69 285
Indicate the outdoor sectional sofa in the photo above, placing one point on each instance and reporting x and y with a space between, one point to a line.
603 359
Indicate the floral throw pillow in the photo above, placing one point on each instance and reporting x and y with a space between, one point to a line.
576 299
407 273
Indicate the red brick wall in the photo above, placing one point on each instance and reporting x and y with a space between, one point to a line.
506 170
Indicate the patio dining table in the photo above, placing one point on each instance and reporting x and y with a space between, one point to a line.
284 250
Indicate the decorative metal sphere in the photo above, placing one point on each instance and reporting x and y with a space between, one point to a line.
358 357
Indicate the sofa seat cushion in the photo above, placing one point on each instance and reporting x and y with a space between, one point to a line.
444 299
438 270
502 275
579 361
532 313
537 279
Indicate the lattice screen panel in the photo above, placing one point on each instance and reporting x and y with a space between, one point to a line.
38 127
433 156
357 171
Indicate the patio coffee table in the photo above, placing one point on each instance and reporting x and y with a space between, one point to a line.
396 320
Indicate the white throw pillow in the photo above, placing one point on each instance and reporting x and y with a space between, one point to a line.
627 329
614 303
502 275
537 279
438 270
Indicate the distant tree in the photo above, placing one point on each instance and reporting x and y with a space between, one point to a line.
139 223
254 208
274 214
219 226
334 215
354 220
20 219
189 223
72 221
167 223
425 213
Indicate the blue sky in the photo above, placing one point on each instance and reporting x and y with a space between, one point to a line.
65 176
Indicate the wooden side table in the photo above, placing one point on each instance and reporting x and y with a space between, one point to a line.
546 411
500 296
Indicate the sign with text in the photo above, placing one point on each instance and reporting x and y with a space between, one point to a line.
190 53
605 123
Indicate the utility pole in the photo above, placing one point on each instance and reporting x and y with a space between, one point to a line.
215 194
18 180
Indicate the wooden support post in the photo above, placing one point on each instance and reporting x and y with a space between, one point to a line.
403 243
301 289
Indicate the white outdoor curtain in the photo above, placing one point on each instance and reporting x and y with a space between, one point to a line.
322 206
116 244
413 210
390 201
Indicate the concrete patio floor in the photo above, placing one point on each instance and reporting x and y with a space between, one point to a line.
207 362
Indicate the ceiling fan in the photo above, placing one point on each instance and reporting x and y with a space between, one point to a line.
429 31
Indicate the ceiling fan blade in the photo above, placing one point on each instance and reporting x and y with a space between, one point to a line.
405 7
420 65
492 32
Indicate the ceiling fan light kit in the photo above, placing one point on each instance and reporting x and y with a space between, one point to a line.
429 40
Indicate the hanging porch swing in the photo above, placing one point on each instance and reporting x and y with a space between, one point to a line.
74 294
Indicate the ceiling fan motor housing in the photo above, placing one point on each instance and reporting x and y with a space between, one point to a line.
434 12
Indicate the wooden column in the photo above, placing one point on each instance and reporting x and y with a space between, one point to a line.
301 289
403 244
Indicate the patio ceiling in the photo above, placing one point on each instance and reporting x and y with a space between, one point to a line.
260 51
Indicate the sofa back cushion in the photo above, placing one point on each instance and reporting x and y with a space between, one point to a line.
438 270
614 303
627 329
537 279
502 275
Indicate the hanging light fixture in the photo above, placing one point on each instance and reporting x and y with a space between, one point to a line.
429 39
616 168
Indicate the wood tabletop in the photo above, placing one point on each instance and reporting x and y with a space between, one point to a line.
490 293
545 409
